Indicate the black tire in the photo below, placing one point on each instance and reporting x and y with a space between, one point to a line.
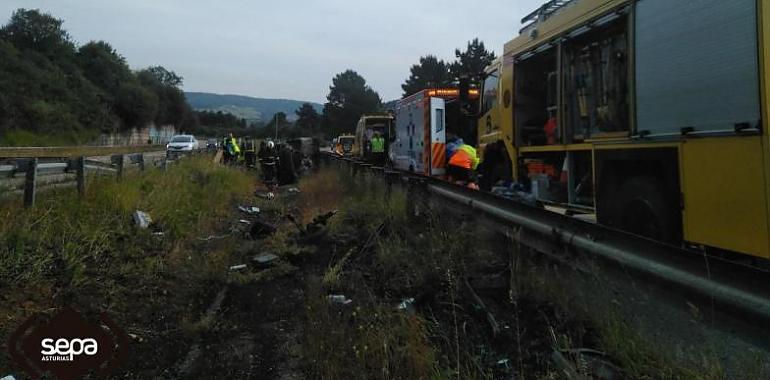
642 208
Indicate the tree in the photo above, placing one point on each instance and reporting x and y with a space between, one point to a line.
172 104
283 123
431 72
103 66
307 118
162 75
32 29
472 61
54 91
349 97
136 105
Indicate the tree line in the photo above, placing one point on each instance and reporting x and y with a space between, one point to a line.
350 97
53 91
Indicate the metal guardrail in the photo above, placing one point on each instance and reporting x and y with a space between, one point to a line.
737 288
33 168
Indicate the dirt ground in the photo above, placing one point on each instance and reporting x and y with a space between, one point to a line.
367 282
419 308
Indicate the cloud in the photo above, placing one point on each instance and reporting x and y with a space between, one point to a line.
289 49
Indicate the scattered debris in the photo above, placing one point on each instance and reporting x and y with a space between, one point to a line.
504 363
265 259
244 221
269 195
339 299
142 219
135 337
315 229
159 233
249 210
261 229
406 305
293 190
238 267
517 192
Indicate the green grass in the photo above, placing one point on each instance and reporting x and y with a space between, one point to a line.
86 252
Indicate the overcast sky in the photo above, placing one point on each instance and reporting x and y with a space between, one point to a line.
288 48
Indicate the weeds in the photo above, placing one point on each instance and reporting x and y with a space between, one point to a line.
86 253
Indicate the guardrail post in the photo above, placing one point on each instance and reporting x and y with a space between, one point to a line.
118 160
30 182
80 174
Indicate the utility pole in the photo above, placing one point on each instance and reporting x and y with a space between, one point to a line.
276 126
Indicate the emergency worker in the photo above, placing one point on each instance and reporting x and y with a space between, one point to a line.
462 163
378 148
232 150
268 160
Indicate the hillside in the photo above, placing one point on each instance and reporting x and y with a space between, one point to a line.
56 92
249 108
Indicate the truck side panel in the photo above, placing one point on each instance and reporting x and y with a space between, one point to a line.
696 66
723 181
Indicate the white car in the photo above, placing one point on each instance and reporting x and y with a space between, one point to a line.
182 144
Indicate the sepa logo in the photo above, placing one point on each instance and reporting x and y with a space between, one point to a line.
67 345
65 350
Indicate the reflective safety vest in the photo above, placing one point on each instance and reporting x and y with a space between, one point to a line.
465 157
378 144
235 148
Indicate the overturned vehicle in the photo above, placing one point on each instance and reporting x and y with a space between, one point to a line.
284 162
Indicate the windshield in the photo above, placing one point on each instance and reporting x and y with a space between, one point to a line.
489 93
181 139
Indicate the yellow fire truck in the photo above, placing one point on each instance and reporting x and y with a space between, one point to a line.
649 114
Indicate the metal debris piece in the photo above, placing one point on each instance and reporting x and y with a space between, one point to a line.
159 233
142 219
315 229
293 190
269 195
249 210
407 305
265 259
238 267
244 221
339 299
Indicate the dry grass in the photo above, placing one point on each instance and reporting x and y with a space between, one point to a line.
86 253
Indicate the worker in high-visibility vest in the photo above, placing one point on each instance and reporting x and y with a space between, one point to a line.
462 163
378 148
232 150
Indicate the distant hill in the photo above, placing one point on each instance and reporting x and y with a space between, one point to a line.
249 108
